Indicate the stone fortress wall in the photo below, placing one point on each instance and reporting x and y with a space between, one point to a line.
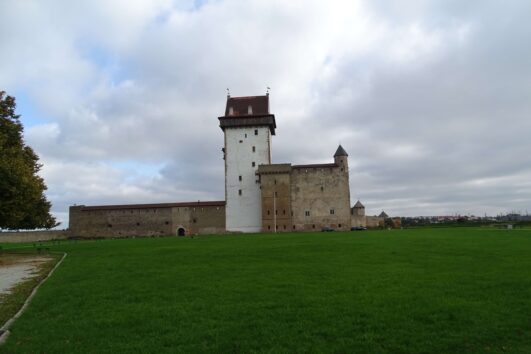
32 236
305 197
147 219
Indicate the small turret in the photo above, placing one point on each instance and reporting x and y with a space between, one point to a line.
341 158
358 209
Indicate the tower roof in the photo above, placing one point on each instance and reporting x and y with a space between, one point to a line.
358 205
247 106
340 152
249 111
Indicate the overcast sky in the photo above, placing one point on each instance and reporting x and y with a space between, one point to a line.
431 99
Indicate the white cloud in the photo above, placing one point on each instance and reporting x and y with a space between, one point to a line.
429 100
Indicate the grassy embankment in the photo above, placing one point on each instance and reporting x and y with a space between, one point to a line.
11 302
400 291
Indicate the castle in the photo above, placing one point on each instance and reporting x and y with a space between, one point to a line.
259 196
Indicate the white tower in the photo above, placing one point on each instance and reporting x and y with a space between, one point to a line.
248 127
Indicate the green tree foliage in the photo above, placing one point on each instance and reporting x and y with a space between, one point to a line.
23 204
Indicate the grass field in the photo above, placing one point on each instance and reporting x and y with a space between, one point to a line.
408 291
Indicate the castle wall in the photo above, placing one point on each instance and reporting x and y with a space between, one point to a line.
120 222
32 236
207 220
358 220
243 208
374 222
275 182
322 191
128 221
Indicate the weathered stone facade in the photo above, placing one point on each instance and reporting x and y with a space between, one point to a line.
358 218
147 219
306 197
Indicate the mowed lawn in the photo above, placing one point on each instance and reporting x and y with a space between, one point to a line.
402 291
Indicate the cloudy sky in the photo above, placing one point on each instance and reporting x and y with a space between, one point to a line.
431 99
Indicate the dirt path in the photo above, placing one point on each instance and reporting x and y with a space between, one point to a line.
17 268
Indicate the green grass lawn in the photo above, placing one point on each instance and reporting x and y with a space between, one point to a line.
408 291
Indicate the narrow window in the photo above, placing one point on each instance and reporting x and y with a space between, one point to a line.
332 211
275 194
249 109
240 178
339 225
284 227
322 188
293 227
269 227
239 192
254 148
284 212
231 111
275 181
313 226
268 212
307 213
292 213
276 212
256 132
253 164
246 135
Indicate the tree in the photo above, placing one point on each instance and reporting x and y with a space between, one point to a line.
23 204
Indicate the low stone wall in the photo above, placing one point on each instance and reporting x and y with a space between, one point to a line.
32 236
374 222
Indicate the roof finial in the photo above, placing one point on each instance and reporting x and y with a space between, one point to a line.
228 93
267 91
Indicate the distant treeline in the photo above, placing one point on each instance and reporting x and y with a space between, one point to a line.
409 223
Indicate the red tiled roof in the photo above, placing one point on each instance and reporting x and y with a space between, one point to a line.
322 165
240 105
153 206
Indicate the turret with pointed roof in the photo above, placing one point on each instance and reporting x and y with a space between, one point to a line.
358 209
341 158
340 151
359 205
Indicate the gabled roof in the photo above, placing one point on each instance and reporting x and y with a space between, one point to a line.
240 106
358 205
340 152
249 111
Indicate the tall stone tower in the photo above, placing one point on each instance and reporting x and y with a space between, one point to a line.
248 127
